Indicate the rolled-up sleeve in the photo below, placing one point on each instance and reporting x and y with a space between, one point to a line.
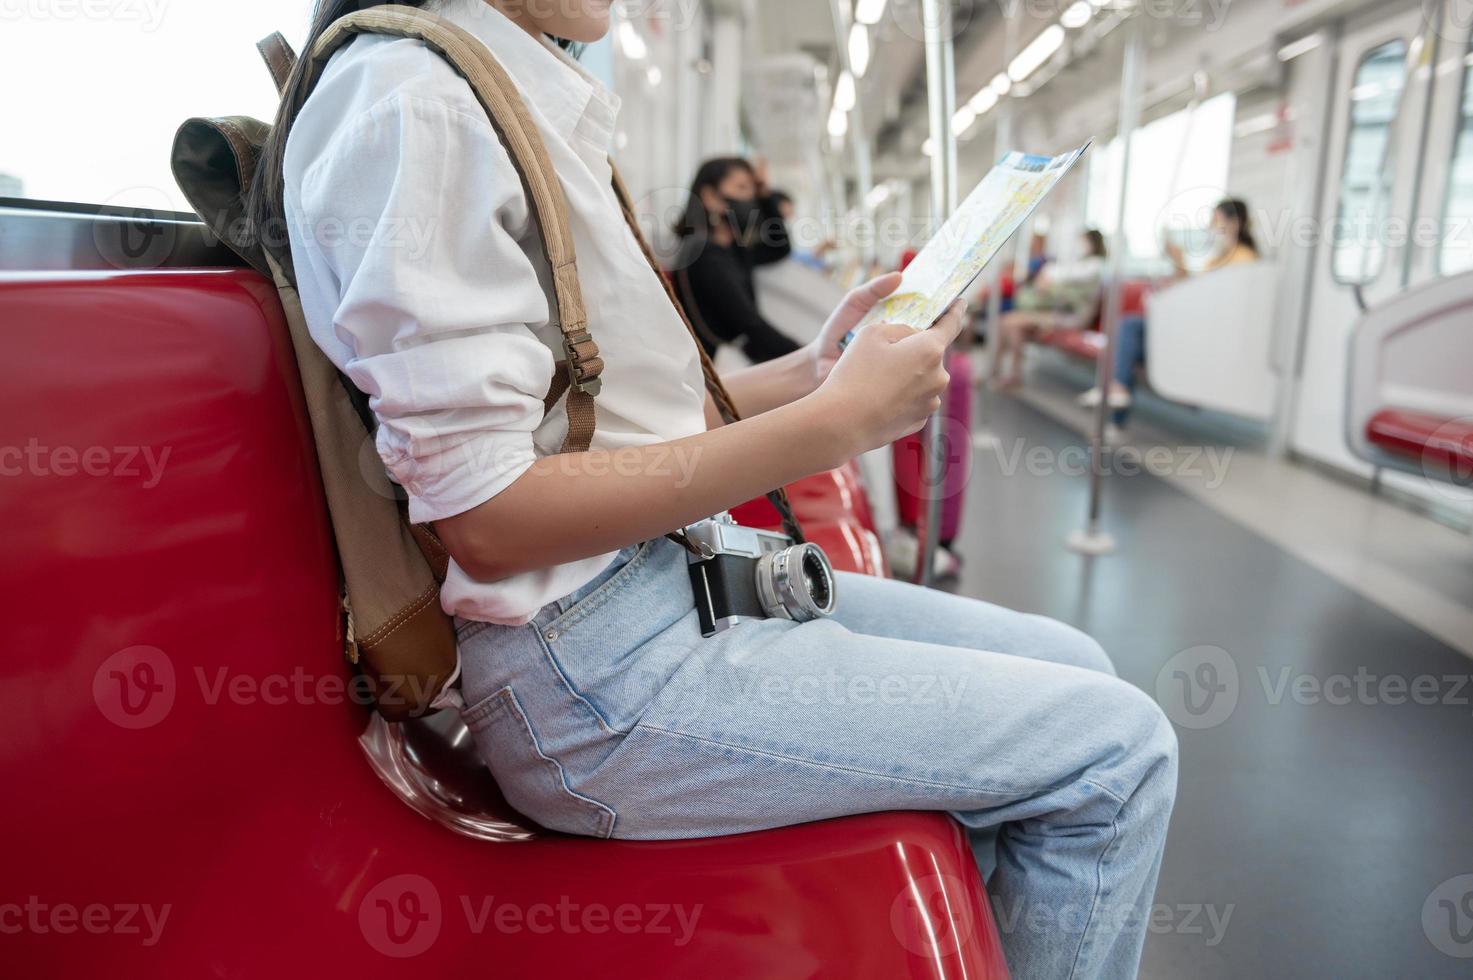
415 211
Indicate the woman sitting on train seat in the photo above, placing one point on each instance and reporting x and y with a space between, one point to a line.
1062 296
1233 244
1232 240
591 692
731 225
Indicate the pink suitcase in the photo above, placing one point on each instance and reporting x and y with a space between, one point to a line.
912 486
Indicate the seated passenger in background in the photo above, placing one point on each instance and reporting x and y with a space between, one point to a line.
1063 296
1232 237
1037 256
1233 244
731 225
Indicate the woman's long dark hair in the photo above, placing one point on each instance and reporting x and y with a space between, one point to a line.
1096 240
1237 209
265 208
264 205
695 221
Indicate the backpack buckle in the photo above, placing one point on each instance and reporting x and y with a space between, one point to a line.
578 378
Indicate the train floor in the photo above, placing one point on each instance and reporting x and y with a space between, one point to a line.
1322 820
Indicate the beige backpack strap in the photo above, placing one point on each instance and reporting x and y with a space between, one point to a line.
498 95
279 58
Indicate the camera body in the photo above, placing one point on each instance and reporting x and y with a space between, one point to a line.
744 573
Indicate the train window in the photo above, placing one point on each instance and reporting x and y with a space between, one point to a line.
94 92
1456 252
1178 170
1365 180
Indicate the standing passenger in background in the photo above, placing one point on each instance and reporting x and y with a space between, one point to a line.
731 225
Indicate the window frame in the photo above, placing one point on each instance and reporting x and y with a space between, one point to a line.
1367 275
1462 124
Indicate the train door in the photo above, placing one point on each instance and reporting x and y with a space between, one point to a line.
1443 244
1371 175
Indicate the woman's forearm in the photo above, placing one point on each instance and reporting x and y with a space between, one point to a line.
577 505
771 384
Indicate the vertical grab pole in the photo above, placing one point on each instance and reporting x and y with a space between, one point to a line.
941 101
982 437
858 138
1092 539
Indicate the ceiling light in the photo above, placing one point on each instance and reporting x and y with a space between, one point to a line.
1001 83
1077 15
1294 49
877 196
858 50
963 119
844 92
631 42
1039 50
838 122
869 11
983 101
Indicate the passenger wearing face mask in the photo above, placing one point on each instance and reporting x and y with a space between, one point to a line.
1233 244
1232 236
731 225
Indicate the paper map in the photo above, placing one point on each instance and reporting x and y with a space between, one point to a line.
970 238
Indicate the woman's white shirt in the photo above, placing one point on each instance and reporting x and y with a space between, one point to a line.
422 277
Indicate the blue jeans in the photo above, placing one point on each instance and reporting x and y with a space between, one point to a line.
609 715
1130 349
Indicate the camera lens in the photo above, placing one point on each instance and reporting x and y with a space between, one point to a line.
817 578
796 583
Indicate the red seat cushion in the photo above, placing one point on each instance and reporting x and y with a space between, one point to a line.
1085 344
1133 294
834 511
178 731
1443 445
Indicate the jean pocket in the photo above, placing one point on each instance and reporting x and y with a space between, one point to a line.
532 781
577 607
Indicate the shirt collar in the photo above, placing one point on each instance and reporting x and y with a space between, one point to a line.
561 90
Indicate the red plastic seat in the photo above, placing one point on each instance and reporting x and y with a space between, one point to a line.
1085 344
1444 446
178 739
834 510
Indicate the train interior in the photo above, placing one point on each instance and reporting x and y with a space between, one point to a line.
1251 481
